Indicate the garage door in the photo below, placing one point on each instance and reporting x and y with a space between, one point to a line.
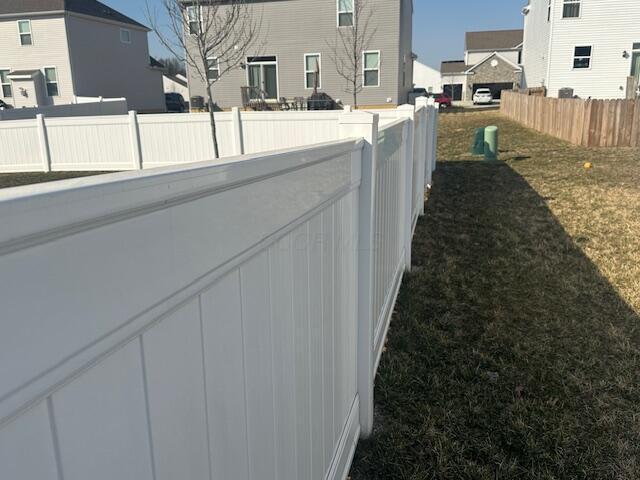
496 88
457 91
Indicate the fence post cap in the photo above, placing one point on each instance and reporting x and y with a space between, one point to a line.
359 117
422 101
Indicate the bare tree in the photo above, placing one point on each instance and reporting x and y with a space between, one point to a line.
212 37
173 66
352 40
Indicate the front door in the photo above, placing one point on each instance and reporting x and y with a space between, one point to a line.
262 73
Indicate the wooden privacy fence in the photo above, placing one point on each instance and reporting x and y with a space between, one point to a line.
588 123
213 320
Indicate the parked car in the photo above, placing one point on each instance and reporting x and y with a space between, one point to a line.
417 93
4 105
175 103
442 99
483 96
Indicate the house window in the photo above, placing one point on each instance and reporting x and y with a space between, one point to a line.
549 11
635 61
51 79
24 30
371 69
311 66
262 76
571 9
582 57
345 13
193 20
213 68
7 92
125 35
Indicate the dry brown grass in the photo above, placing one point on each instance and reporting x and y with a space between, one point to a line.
515 348
8 180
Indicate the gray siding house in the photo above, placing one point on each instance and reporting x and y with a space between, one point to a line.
52 51
295 34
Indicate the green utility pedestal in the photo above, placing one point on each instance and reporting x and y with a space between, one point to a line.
491 143
478 142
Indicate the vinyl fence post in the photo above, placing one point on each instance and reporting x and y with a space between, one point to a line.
238 139
434 137
136 146
45 152
408 112
422 142
365 125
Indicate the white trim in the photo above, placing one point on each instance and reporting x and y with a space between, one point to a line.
217 60
572 2
277 99
57 82
306 72
8 70
364 69
20 34
494 54
352 12
574 56
122 30
198 19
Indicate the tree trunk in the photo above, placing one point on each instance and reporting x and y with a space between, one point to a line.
212 120
355 95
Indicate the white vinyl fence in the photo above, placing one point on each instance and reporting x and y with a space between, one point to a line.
213 320
85 107
133 142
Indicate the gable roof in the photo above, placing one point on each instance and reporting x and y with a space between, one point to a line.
494 40
492 55
453 66
92 8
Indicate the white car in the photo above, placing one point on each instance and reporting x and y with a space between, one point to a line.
482 96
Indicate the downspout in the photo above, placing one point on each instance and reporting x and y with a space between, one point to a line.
551 25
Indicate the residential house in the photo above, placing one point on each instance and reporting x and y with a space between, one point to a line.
52 51
591 47
176 84
298 35
426 77
491 60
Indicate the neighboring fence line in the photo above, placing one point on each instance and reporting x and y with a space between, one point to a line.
212 320
82 108
132 142
588 123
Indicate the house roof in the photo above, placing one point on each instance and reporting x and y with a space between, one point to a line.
495 55
494 40
93 8
177 80
453 66
23 73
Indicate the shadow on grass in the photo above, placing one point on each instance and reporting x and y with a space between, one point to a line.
509 355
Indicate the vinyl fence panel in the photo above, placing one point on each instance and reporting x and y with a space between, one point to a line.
218 319
183 322
21 147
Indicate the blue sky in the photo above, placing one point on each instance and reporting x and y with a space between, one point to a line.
438 26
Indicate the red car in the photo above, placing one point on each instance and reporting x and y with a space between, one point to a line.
443 100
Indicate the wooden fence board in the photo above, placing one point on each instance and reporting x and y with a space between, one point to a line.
590 123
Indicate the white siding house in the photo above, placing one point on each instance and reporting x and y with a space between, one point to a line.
590 46
426 77
53 51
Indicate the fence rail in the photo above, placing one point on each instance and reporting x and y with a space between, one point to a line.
212 320
84 107
588 123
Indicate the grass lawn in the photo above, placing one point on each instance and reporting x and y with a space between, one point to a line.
514 352
17 179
